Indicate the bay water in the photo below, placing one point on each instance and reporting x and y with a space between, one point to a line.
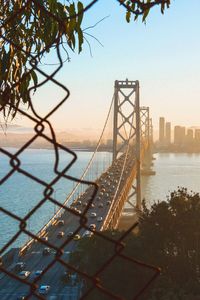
19 194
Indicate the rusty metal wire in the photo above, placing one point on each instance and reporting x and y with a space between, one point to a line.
40 123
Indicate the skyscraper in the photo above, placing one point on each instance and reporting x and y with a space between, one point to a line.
183 135
179 135
197 135
189 136
161 130
168 133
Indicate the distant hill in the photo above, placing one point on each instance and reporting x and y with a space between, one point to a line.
16 136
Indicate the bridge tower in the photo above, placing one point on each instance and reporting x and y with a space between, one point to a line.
145 125
151 132
146 138
127 125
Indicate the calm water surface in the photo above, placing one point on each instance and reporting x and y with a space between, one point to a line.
20 194
173 170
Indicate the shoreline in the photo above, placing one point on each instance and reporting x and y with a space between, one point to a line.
92 149
51 148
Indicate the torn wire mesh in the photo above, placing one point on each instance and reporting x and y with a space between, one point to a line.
40 124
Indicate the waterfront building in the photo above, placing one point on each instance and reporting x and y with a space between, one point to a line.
183 135
168 133
189 136
197 136
179 135
161 130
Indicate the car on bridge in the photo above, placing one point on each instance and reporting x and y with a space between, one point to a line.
76 210
19 266
24 274
46 251
60 234
93 215
73 278
44 238
60 223
44 289
38 273
65 276
76 237
70 233
92 226
87 233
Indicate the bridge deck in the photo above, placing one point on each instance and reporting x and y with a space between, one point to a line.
105 203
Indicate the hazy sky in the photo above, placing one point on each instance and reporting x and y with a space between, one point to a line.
164 55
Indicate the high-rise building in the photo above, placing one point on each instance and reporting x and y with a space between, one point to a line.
168 133
161 130
197 135
183 135
179 135
189 136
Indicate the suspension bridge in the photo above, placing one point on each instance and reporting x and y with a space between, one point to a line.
96 207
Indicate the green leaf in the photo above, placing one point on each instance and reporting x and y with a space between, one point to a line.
35 78
80 12
72 12
146 12
128 16
133 6
52 4
80 40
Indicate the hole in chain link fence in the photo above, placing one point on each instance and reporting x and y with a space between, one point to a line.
34 217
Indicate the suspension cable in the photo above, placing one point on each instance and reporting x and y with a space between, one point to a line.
92 157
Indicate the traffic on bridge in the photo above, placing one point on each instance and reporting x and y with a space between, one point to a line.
56 283
38 265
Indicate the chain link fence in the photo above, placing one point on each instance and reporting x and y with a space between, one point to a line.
40 124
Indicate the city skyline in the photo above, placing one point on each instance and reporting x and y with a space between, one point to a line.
177 138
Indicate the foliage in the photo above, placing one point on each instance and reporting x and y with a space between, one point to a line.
171 231
30 29
169 237
119 275
142 8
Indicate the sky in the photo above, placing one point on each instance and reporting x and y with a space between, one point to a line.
163 54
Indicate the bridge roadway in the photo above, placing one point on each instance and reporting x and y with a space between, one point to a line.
11 289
